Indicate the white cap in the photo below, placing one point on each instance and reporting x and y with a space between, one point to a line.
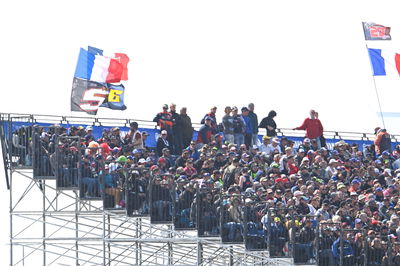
332 161
298 193
89 128
163 132
388 171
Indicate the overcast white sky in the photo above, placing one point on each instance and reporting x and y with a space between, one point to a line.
289 56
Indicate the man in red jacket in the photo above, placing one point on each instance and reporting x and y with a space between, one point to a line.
313 127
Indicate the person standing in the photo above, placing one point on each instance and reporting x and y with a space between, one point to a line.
134 138
248 126
254 124
211 115
238 127
227 123
164 122
176 130
313 127
382 141
269 124
187 128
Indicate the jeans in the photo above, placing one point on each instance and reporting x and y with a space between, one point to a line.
92 185
232 229
69 177
254 139
307 249
229 138
163 210
318 142
239 139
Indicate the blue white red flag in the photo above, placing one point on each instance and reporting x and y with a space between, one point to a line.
93 66
384 62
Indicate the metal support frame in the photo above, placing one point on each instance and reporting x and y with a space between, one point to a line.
64 230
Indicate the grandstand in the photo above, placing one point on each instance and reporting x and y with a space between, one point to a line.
71 204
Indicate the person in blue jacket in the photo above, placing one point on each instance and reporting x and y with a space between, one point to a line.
348 252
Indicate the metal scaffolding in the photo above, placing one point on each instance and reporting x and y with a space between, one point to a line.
49 226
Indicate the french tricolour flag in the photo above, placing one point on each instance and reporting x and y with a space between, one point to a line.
93 66
384 62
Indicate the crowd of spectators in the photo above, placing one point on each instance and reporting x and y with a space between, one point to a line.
271 191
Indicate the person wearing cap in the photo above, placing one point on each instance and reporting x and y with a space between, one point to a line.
274 147
248 126
239 127
269 124
227 123
205 132
313 127
89 134
302 207
111 188
194 152
162 142
211 115
382 141
134 137
164 121
181 160
266 140
355 186
187 127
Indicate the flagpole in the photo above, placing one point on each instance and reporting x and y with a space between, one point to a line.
377 95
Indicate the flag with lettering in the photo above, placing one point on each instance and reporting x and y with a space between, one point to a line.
115 98
87 96
373 31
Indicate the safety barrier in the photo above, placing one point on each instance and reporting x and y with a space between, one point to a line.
162 198
254 234
43 154
67 161
188 204
185 204
207 215
136 190
231 218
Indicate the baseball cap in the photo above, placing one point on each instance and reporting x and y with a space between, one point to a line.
244 109
340 185
266 137
388 171
298 193
163 132
332 161
307 140
89 128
